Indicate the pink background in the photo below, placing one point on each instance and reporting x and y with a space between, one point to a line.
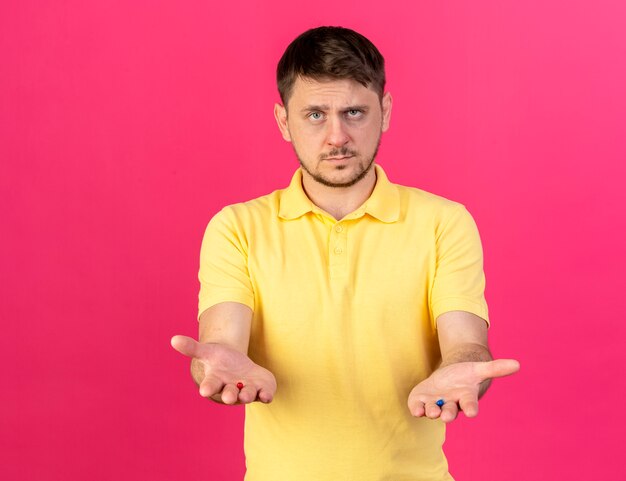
124 126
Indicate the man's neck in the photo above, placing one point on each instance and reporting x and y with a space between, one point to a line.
339 201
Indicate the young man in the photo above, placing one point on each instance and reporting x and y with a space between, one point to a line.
345 311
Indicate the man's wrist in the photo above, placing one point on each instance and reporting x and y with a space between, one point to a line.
466 353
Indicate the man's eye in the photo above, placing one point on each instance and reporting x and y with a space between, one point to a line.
354 113
315 115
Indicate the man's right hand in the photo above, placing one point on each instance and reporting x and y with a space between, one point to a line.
223 367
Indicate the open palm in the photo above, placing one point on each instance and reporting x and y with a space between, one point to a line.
224 367
458 385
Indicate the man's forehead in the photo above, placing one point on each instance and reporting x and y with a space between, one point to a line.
307 90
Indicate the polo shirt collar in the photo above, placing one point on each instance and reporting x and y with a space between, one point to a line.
383 203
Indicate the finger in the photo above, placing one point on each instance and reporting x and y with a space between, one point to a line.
210 386
432 410
185 345
449 412
497 368
469 405
230 394
267 389
247 394
417 408
266 395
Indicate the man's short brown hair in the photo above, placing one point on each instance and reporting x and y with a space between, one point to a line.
331 53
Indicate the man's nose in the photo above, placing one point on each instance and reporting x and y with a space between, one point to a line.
337 134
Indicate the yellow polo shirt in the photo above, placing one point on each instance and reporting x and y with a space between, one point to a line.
344 316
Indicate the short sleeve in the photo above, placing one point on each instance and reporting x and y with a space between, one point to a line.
459 280
223 274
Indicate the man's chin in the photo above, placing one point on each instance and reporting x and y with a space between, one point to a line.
340 175
341 178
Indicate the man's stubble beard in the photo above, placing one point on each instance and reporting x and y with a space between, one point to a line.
343 151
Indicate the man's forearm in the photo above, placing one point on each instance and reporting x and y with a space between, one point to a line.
469 353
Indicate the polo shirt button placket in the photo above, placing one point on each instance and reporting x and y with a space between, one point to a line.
338 262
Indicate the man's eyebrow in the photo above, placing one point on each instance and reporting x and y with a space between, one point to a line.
313 108
356 107
323 108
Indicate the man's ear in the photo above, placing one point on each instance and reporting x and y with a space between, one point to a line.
280 114
387 102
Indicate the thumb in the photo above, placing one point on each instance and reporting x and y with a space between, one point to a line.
497 368
185 345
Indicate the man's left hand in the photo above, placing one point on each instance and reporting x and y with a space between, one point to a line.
458 385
